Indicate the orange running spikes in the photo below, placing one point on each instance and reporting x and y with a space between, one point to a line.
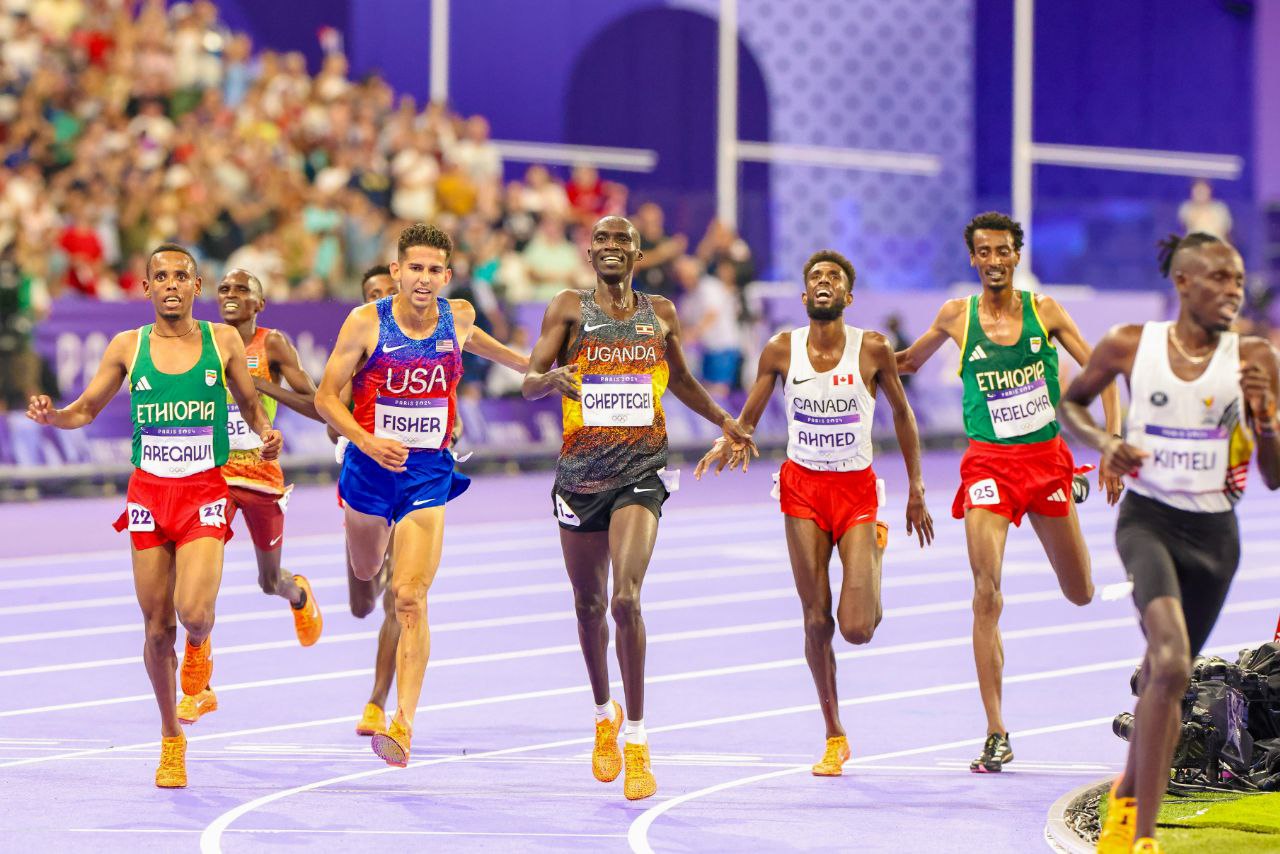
882 534
832 762
606 758
374 720
172 773
192 709
392 745
639 782
307 620
197 667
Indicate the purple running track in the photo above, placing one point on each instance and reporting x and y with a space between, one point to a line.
502 742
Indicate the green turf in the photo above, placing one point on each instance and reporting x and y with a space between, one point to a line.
1219 822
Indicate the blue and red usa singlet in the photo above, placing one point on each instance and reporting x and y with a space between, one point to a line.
407 388
406 391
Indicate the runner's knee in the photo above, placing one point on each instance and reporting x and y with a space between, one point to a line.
197 619
590 607
858 630
161 634
1168 667
411 599
625 606
988 601
819 627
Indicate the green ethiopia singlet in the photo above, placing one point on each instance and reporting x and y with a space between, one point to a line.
1009 392
179 420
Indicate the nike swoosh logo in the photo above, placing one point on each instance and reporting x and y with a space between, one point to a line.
795 381
387 349
276 540
593 328
650 489
424 501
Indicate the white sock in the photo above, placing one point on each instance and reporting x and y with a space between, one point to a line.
635 733
605 712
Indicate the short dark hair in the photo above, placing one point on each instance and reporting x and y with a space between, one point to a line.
170 247
253 280
372 272
421 234
994 221
376 270
835 258
1174 243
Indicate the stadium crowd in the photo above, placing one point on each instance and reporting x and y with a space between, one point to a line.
124 124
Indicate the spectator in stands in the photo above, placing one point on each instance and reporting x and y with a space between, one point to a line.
722 243
1202 212
653 271
709 320
588 196
475 154
553 263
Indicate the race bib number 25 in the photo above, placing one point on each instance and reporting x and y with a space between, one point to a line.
984 492
214 514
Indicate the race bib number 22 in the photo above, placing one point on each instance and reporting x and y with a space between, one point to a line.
214 514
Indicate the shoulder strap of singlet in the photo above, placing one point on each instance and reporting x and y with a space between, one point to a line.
144 332
970 321
1029 312
209 339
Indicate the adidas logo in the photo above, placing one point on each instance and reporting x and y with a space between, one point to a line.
977 354
142 385
1058 496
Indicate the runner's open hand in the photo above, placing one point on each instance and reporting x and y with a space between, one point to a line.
918 519
721 452
271 443
388 453
1119 458
1112 485
564 379
40 409
743 445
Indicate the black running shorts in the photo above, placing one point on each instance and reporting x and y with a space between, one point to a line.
1189 556
591 511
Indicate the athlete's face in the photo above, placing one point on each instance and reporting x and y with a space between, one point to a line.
1210 285
171 284
994 257
377 287
421 274
239 298
826 291
615 248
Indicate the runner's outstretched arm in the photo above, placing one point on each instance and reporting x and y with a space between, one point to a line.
685 386
300 396
1113 357
240 384
948 324
348 353
106 381
1061 326
486 346
774 361
919 521
541 379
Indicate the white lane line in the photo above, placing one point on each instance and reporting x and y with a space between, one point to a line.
638 832
482 531
1012 568
354 831
725 670
210 840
